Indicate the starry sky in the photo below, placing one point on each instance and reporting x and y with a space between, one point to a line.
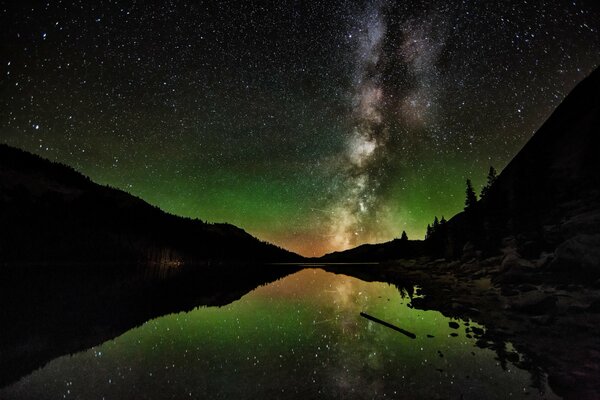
317 126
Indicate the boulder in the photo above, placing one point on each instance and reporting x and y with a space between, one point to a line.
513 261
544 260
509 242
491 261
580 254
594 307
583 223
535 303
468 252
552 234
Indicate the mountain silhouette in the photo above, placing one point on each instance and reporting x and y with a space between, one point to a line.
391 250
51 214
548 196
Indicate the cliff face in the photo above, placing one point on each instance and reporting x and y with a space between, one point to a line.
549 193
555 176
50 214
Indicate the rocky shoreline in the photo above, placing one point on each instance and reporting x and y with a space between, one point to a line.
551 325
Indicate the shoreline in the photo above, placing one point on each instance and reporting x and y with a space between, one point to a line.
553 324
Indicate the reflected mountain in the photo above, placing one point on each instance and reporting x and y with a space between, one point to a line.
48 313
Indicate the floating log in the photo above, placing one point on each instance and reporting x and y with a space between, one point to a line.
394 327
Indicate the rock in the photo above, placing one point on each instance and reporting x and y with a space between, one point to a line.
542 320
453 325
544 260
573 288
496 260
580 254
506 291
468 252
552 234
587 223
594 307
471 265
577 309
526 288
509 242
530 244
513 260
531 249
535 303
479 274
458 307
512 276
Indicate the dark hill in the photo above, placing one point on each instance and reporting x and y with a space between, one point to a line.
392 250
51 214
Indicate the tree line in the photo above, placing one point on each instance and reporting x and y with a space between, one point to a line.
471 201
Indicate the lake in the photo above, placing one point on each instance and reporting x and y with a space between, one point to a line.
301 336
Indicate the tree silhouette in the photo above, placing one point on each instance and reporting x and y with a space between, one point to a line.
429 232
404 236
471 199
436 223
491 178
443 220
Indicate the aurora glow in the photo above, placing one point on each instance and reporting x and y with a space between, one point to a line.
313 125
299 337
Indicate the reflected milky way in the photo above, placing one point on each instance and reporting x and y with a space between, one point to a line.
299 337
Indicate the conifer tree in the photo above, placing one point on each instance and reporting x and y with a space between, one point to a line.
471 199
404 236
491 178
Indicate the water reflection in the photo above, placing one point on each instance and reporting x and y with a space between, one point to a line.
299 337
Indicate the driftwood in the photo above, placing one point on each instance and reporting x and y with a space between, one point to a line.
394 327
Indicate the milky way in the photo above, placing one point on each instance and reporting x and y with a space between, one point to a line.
357 203
313 125
359 215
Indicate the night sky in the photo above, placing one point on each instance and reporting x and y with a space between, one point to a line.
317 126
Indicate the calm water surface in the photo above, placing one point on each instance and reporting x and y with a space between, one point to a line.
299 337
